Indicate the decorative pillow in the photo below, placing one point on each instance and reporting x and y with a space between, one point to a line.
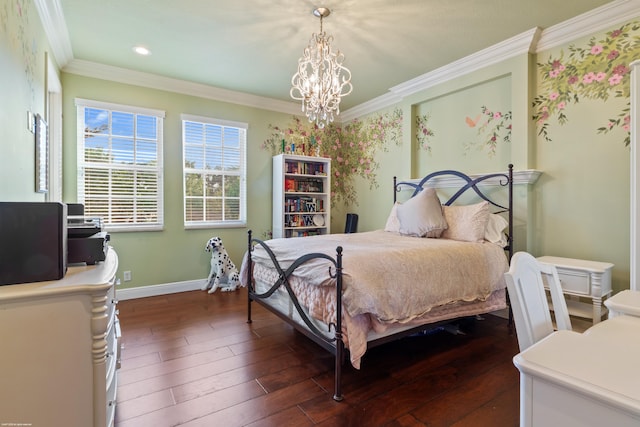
494 232
466 223
393 225
422 215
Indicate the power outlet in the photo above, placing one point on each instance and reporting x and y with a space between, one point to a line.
127 276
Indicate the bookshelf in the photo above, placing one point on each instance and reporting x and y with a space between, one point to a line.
301 195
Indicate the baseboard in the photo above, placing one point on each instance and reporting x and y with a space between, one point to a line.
160 289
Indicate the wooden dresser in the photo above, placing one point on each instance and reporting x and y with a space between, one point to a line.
60 352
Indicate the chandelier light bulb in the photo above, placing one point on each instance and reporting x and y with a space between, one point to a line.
321 80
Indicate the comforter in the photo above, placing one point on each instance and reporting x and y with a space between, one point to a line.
387 278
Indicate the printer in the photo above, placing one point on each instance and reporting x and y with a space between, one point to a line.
87 242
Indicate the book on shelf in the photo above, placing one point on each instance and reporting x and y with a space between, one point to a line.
310 185
305 168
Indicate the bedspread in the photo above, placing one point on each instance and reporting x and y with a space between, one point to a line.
396 278
387 278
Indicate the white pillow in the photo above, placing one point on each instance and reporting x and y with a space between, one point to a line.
393 225
495 230
467 223
421 215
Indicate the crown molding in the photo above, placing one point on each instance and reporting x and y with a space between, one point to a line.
499 52
534 40
55 27
588 23
518 45
154 81
376 104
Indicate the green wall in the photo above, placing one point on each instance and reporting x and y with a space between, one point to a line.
501 87
23 53
175 254
582 199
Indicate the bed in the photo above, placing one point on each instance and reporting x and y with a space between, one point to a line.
396 281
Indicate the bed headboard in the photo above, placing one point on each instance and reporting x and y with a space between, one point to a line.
467 183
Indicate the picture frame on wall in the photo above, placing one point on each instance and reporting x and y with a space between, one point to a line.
42 155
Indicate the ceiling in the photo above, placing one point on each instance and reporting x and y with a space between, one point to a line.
252 46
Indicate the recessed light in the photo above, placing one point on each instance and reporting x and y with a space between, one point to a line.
141 50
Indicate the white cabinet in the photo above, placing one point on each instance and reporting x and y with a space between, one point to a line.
301 195
583 279
61 349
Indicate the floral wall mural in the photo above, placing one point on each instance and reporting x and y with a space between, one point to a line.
424 132
351 147
598 70
18 32
493 126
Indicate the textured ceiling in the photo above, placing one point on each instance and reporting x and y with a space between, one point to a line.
253 46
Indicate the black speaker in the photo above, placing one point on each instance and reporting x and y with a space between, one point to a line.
351 226
33 242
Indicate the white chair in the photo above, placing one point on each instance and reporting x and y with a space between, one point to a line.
529 300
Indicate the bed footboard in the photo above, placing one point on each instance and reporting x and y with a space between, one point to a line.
327 340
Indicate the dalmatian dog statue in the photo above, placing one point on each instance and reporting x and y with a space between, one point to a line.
221 268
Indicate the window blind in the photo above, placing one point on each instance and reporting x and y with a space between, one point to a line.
214 172
120 165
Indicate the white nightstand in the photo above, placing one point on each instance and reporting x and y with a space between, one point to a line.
583 279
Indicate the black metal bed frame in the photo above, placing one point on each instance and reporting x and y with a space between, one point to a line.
333 342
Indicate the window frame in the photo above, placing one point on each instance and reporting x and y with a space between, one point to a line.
82 166
243 128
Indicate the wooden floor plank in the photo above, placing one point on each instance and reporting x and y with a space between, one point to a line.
497 412
192 359
292 417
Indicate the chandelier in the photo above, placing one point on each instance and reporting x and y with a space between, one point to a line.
321 79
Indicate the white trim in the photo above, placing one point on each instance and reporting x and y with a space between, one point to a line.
55 27
54 119
213 121
588 23
154 81
160 289
521 44
89 103
635 188
518 45
376 104
201 225
529 176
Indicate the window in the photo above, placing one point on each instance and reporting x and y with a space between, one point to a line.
120 165
214 169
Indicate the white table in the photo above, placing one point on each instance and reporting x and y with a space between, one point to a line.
625 302
592 379
583 279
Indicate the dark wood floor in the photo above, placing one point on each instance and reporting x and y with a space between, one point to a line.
191 359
